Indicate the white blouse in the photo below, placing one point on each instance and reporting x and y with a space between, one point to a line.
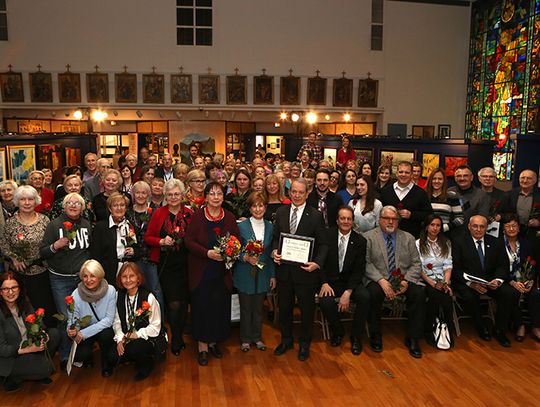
154 321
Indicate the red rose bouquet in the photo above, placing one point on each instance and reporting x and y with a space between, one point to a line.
255 248
526 274
22 249
396 277
229 247
137 317
35 329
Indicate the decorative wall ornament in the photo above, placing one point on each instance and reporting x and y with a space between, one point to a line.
69 86
153 87
97 87
40 86
126 87
263 89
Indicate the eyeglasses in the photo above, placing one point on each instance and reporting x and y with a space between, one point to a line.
13 289
389 219
74 204
198 181
174 195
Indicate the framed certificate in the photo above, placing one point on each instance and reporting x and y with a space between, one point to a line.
295 249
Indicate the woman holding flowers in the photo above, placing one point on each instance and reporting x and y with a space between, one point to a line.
436 257
22 353
95 301
254 274
210 281
136 322
165 236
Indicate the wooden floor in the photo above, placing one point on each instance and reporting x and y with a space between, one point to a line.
473 373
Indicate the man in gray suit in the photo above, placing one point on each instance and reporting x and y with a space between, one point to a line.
93 187
391 255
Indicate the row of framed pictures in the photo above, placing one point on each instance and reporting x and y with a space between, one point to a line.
429 161
181 89
18 161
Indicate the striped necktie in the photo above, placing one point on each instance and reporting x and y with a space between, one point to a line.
391 253
293 221
341 252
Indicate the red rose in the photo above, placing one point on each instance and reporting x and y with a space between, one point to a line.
429 266
47 206
177 229
20 236
145 305
67 225
354 202
30 319
228 252
149 210
217 231
40 312
69 300
536 206
139 312
400 205
533 262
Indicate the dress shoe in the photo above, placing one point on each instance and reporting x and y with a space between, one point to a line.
282 348
215 351
414 347
484 334
107 372
336 340
356 345
11 386
375 343
502 339
176 349
519 338
303 353
260 345
203 358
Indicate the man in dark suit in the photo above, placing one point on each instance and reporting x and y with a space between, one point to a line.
166 171
293 280
193 152
323 199
411 201
393 269
341 277
484 256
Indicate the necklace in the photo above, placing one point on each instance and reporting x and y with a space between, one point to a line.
220 215
27 221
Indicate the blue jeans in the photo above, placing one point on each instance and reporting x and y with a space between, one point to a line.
151 278
61 287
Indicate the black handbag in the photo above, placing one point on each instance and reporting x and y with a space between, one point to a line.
160 345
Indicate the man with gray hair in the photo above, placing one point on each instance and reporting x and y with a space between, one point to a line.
392 272
487 177
94 186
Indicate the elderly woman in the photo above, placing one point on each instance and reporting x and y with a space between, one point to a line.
156 192
72 184
165 236
18 363
181 171
134 340
252 281
520 255
114 240
209 281
36 179
195 182
20 243
258 184
223 180
365 206
48 180
65 247
236 200
112 181
7 191
97 299
60 191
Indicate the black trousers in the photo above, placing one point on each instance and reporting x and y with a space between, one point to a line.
329 308
416 309
105 341
140 351
438 300
506 298
287 290
532 303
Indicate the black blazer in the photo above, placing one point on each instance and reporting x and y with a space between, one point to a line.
510 206
465 259
333 202
311 224
10 339
354 264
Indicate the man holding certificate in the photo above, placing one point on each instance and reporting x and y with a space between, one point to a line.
299 250
481 267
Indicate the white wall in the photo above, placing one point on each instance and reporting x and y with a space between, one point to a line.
422 70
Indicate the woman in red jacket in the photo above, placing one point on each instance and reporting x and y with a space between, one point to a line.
165 236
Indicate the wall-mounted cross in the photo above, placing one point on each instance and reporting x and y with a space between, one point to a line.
181 68
236 70
39 67
67 67
96 68
264 71
317 72
209 70
153 70
343 73
290 71
10 66
125 68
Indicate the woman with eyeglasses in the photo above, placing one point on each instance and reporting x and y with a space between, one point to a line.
166 238
36 179
73 184
333 185
65 247
18 363
195 182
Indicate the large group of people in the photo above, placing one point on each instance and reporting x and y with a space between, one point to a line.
119 254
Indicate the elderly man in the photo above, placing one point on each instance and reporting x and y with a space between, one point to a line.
393 270
487 177
94 185
484 257
314 149
90 163
166 171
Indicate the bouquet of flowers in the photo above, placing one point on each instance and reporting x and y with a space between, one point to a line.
396 277
255 248
526 274
193 203
35 329
138 316
70 231
229 247
82 322
22 249
129 235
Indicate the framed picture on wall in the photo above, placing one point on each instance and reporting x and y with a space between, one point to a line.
444 131
289 93
97 87
153 88
364 155
181 88
451 162
393 157
73 156
208 89
368 92
236 90
316 93
330 154
3 168
343 89
11 84
41 87
69 87
430 161
22 161
125 85
263 90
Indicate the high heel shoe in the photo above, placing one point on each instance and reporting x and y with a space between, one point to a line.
176 349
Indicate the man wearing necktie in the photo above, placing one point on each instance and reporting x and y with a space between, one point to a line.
324 200
293 280
341 278
484 256
391 250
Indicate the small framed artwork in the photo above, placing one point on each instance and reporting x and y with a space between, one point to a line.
73 156
263 90
22 161
503 165
368 90
430 161
343 88
428 132
364 155
69 87
125 85
289 93
236 90
51 156
11 84
97 87
316 93
451 162
153 88
3 168
41 87
394 157
330 154
444 131
417 131
181 88
208 89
